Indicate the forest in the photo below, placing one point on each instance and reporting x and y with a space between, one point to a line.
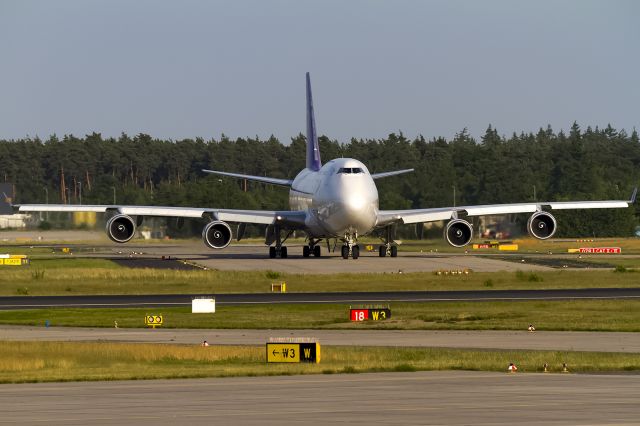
581 164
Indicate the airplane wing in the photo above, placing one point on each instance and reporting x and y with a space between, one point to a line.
387 217
263 179
265 217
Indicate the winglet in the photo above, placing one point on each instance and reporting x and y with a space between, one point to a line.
313 149
633 195
6 199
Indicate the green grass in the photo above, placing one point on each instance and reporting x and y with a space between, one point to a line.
96 276
581 315
29 251
62 361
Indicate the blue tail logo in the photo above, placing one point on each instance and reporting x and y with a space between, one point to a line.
313 149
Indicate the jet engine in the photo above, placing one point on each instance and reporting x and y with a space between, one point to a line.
120 228
217 234
541 225
458 232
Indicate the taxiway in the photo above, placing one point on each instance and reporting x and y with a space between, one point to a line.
439 397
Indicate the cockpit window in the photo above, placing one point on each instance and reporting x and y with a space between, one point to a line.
350 170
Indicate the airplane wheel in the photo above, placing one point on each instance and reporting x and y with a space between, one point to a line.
305 251
345 252
394 251
316 251
382 251
283 252
355 252
272 252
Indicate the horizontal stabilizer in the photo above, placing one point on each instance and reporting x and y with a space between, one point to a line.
263 179
387 174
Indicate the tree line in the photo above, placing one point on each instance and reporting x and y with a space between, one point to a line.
581 164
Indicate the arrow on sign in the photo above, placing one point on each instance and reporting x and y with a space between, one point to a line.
275 353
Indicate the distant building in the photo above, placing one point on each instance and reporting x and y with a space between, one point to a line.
16 221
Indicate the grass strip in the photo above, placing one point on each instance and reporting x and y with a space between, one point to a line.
63 361
573 315
95 276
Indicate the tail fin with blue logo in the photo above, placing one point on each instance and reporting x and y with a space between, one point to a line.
313 149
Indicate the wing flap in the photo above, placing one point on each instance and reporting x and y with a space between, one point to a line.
162 211
286 217
257 217
386 217
565 205
498 209
28 208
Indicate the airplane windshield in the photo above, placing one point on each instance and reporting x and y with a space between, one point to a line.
350 170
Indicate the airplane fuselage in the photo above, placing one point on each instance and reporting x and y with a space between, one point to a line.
341 198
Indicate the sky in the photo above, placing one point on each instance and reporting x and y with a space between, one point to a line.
186 69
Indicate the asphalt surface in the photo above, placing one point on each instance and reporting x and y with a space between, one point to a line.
159 300
448 397
468 339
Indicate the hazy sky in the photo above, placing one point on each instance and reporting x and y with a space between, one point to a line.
202 68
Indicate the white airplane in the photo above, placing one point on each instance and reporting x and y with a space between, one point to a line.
337 200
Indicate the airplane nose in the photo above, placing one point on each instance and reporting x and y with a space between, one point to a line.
355 203
352 203
358 213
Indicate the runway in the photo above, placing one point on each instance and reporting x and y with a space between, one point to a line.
237 299
467 339
440 397
254 256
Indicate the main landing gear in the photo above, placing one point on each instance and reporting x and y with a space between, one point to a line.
388 250
389 247
312 248
274 252
351 247
279 250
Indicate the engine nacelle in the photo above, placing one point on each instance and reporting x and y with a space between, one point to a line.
121 228
458 232
217 234
541 225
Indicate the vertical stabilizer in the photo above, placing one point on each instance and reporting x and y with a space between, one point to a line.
313 149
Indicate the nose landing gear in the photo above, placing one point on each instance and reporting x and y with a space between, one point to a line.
351 247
